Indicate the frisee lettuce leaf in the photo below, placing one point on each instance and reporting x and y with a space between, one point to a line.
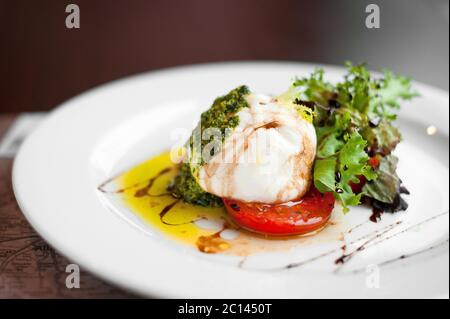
353 162
288 99
386 187
315 88
329 145
335 173
383 138
386 98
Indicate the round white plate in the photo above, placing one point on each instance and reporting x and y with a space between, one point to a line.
109 129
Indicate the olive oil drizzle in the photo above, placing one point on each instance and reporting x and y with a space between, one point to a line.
167 208
405 256
207 243
145 191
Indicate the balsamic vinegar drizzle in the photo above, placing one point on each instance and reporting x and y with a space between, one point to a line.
409 228
342 248
346 257
402 257
376 215
355 227
145 191
377 234
167 208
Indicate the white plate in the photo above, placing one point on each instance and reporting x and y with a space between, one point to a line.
106 130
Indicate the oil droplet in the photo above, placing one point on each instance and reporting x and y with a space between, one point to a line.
212 244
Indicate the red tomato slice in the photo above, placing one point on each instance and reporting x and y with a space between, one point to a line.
310 213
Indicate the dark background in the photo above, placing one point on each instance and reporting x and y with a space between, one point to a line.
42 63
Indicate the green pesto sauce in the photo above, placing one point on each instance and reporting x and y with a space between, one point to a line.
221 115
185 186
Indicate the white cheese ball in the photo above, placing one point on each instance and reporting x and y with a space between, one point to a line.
268 158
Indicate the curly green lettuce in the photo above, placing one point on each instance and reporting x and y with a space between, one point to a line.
353 121
335 172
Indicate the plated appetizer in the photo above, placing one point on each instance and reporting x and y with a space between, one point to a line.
259 166
279 164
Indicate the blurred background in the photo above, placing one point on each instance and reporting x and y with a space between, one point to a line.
42 63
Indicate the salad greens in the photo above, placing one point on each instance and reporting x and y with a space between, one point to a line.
386 186
353 121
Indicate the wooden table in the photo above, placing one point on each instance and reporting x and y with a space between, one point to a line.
29 267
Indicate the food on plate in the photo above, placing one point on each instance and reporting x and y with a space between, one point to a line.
268 155
279 164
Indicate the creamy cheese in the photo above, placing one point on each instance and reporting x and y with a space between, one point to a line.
268 158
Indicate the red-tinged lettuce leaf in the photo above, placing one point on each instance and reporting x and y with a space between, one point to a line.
383 138
335 173
386 187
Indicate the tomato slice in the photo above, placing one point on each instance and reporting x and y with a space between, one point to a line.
310 213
